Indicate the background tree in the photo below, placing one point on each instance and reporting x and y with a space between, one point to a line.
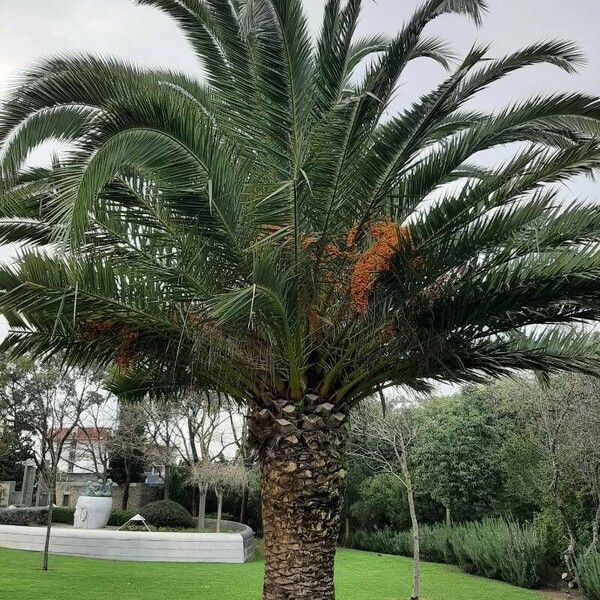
162 417
387 440
274 235
16 443
570 419
208 428
128 448
457 461
96 428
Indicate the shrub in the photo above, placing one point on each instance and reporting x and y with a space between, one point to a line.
166 513
549 523
588 574
224 516
494 548
381 503
384 541
119 517
437 543
62 514
501 549
24 516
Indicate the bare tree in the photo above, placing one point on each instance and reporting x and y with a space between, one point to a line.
383 435
129 444
209 428
96 428
163 425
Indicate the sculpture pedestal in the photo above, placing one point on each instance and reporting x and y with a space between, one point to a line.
92 512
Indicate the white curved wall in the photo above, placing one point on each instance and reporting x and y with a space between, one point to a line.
135 545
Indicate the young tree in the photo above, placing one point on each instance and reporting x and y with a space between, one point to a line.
385 439
54 402
270 233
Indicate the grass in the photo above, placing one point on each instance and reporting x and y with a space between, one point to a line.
360 576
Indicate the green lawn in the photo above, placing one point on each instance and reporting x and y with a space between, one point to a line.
360 576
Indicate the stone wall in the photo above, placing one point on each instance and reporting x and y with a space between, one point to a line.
7 489
135 545
140 494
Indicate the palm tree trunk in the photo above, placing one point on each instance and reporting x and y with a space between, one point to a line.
303 470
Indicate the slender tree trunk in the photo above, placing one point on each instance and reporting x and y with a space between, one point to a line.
125 500
303 470
347 532
244 505
415 532
219 510
167 482
570 553
596 529
51 490
201 508
448 516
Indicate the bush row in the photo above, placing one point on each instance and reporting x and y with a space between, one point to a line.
24 516
61 514
588 574
65 515
163 513
494 548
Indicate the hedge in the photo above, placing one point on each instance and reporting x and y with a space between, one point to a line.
24 516
63 514
494 548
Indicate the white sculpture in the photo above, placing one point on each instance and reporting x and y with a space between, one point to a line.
92 512
94 506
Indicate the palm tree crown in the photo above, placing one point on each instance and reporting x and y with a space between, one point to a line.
268 229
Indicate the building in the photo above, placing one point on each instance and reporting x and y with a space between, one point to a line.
85 451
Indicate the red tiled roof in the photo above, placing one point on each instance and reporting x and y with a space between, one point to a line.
82 434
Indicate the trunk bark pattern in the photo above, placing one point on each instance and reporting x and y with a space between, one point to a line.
303 470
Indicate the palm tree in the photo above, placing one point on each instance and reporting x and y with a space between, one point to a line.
271 234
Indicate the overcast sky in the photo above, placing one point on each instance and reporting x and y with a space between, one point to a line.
32 29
